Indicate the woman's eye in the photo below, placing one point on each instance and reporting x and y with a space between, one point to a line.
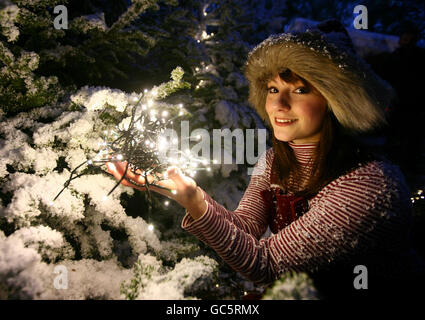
272 90
301 90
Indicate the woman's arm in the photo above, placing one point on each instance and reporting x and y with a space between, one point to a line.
357 213
250 216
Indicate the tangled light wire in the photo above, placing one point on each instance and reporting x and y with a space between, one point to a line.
139 141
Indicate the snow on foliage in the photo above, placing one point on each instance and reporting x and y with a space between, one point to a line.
48 242
95 98
292 286
151 281
8 15
19 270
38 150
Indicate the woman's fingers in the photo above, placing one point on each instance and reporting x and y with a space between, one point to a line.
177 186
120 168
185 186
179 179
117 169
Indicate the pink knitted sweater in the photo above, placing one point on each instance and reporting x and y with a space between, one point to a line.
365 213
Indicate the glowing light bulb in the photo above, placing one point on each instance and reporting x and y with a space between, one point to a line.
174 191
197 69
51 203
104 198
119 157
164 113
167 203
150 228
90 162
180 105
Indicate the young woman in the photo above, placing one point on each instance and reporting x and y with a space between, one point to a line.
331 201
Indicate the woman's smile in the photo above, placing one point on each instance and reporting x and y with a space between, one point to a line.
282 122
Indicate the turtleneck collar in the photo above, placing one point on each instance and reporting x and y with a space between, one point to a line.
304 151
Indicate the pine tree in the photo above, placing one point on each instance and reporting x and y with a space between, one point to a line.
39 61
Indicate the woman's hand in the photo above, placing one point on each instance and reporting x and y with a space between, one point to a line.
185 191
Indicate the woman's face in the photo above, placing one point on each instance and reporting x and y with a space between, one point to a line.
306 108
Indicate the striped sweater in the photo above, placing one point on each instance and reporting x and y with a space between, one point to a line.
365 212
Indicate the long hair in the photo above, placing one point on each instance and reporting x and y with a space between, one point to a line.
337 153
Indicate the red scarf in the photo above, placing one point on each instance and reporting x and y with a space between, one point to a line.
282 209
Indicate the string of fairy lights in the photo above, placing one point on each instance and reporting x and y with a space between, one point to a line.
418 196
139 141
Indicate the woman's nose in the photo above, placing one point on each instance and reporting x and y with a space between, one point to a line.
281 102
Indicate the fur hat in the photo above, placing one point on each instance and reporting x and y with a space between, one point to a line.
325 57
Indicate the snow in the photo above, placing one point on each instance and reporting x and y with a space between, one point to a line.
292 286
89 279
19 268
48 242
96 98
226 114
8 15
44 228
365 42
227 194
93 21
172 285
